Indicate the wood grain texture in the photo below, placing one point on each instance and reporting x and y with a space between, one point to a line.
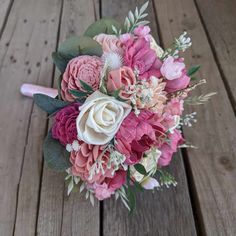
59 214
166 212
20 158
213 164
219 20
5 6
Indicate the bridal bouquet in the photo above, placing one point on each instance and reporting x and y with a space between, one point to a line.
119 110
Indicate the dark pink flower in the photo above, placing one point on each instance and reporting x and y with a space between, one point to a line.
168 149
64 127
137 134
139 56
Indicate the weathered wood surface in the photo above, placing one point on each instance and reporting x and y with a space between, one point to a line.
166 212
213 164
33 198
72 215
22 127
220 21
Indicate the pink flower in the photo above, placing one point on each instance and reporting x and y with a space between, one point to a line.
174 72
84 159
137 134
64 127
168 149
174 107
108 187
125 37
123 79
85 68
102 191
139 56
143 31
110 43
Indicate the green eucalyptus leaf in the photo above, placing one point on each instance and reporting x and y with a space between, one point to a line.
140 168
60 61
59 86
55 155
193 70
132 199
102 26
49 104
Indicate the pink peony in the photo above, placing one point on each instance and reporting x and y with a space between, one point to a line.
125 37
139 56
174 71
143 31
64 127
110 43
123 79
83 160
168 149
108 187
137 134
85 68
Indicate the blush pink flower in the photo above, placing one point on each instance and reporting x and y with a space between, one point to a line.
174 71
174 107
110 43
85 68
143 31
108 187
139 56
170 147
84 159
64 127
137 134
125 37
123 79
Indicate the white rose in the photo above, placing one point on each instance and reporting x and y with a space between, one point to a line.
153 45
100 118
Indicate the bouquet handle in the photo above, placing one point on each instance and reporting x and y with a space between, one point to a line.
29 90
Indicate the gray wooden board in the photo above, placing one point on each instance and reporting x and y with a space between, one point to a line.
213 164
166 212
22 126
58 213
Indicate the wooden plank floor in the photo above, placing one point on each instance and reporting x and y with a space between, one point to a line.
33 198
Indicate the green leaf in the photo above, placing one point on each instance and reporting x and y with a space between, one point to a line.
132 200
86 87
140 168
194 78
73 47
138 186
55 155
78 94
49 104
193 70
102 26
59 86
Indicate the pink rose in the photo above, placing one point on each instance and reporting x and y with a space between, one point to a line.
139 56
174 72
122 78
64 127
85 68
83 160
168 149
143 31
118 180
137 134
110 43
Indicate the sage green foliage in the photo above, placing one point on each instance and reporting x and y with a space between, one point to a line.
102 26
49 104
193 70
55 154
74 47
140 168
